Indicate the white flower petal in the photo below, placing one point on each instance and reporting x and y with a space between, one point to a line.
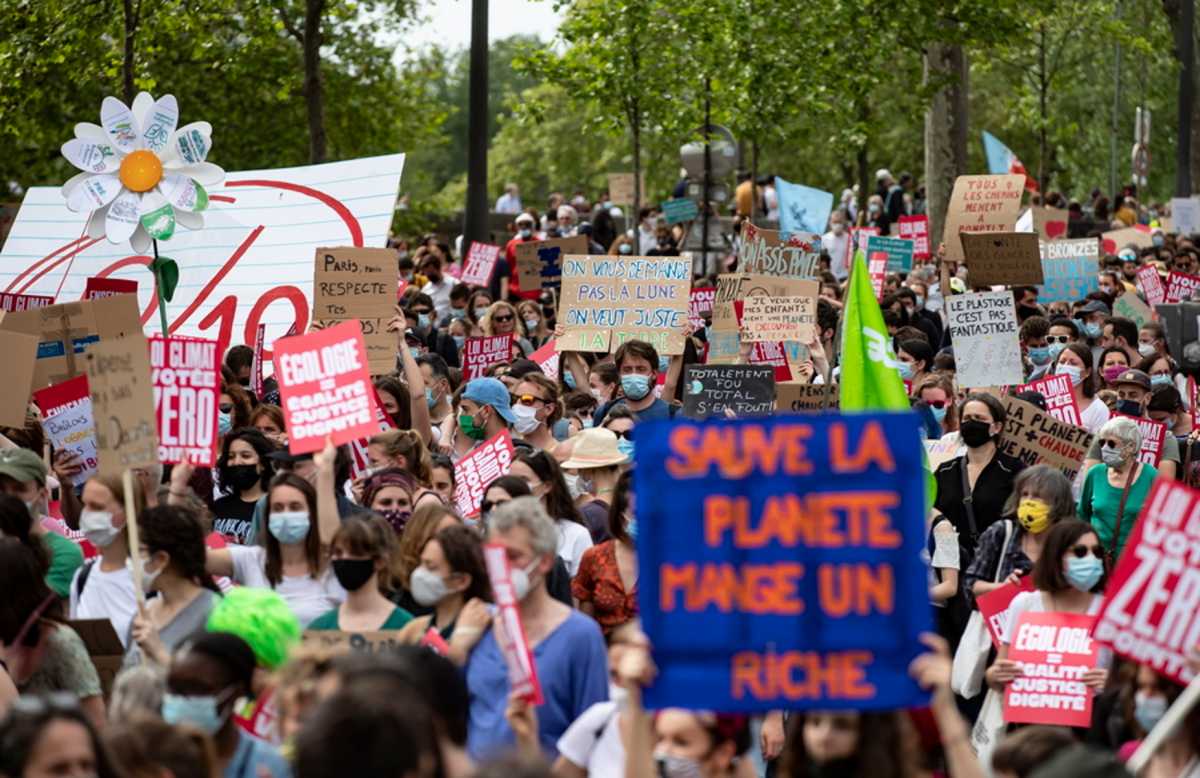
141 108
122 217
189 219
192 142
119 123
95 192
95 225
73 182
159 124
140 240
205 173
90 156
89 131
183 193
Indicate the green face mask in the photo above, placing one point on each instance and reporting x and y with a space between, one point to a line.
466 423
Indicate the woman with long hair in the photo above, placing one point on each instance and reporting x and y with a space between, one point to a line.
502 319
545 479
363 553
450 579
243 470
605 586
426 522
406 450
1075 362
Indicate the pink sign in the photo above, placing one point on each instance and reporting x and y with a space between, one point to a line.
185 374
1154 435
701 302
24 302
256 376
1054 651
1181 286
108 287
483 353
509 632
994 604
1151 285
1060 400
916 229
480 263
547 359
877 268
475 471
325 386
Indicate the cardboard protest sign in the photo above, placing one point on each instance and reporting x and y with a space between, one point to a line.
796 397
779 318
983 327
341 642
1154 435
680 210
1054 650
1070 268
1181 287
1115 240
475 471
1003 258
1060 400
766 252
1185 211
1151 611
20 355
107 287
325 387
539 262
745 390
186 374
803 588
24 302
1035 437
104 649
729 291
118 372
508 629
984 203
359 283
69 424
64 331
484 352
700 302
1049 223
620 190
608 300
993 606
547 358
1151 285
898 251
251 264
480 264
1130 306
916 229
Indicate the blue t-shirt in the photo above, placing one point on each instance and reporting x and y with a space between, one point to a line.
572 667
656 410
253 754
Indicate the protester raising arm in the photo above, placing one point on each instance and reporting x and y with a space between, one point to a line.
66 465
932 671
573 360
414 378
328 520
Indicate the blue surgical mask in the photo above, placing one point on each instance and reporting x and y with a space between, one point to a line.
635 386
631 528
1084 573
1056 349
430 400
289 527
1160 380
906 370
625 248
1093 329
1040 355
201 711
626 448
459 340
1148 711
480 311
423 320
1073 372
1157 240
457 313
569 379
224 422
938 413
664 362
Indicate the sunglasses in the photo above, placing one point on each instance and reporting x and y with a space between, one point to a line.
1081 551
503 318
226 407
1058 338
627 434
1110 443
528 399
939 404
487 505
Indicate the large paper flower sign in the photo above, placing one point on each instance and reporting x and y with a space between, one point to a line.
141 178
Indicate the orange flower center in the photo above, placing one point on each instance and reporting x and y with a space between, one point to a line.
141 170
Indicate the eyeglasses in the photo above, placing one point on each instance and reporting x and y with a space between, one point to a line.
528 399
627 434
502 318
1081 551
1058 338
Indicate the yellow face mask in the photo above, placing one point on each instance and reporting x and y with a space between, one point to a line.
1034 515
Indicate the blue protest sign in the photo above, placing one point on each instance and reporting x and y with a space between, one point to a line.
1070 268
802 208
681 210
780 561
899 252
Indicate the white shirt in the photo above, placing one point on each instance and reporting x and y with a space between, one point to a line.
440 294
308 597
573 540
1092 418
106 595
593 742
771 200
838 248
508 203
646 240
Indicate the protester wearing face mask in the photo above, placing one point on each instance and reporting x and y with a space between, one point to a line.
1145 701
362 556
204 683
605 587
505 283
103 587
1069 576
545 479
567 647
1152 340
438 286
1163 373
389 493
1034 346
1113 362
1075 362
1119 483
452 581
592 470
637 365
936 392
404 450
233 408
647 231
484 410
536 406
477 308
243 470
536 330
914 358
172 550
1133 389
622 246
837 242
291 558
1091 318
23 476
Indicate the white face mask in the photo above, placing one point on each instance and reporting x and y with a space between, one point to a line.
427 587
577 485
97 527
520 580
1147 349
148 577
527 420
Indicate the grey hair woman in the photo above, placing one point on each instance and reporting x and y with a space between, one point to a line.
1114 490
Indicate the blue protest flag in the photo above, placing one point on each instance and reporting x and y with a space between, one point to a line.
802 208
780 561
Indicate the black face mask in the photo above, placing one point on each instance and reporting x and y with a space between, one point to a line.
353 574
242 477
975 433
1129 407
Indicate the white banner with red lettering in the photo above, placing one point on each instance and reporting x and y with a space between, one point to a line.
510 632
185 374
1060 400
477 469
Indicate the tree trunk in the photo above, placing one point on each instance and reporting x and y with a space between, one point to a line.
313 89
636 131
127 66
945 132
1043 90
1181 14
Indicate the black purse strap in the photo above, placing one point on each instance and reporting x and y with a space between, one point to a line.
968 499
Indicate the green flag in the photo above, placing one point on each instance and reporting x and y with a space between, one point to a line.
869 380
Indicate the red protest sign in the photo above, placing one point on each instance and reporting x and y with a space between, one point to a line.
1151 285
860 235
477 469
24 302
916 229
547 359
480 263
185 374
1060 400
107 287
509 632
256 376
877 268
1181 286
482 353
1151 611
325 386
1054 651
993 606
64 396
773 354
700 303
1154 435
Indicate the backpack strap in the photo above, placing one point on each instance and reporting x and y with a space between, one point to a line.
84 572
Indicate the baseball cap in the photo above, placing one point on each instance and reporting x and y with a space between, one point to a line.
21 464
490 391
595 447
1095 306
524 218
1127 254
1136 377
